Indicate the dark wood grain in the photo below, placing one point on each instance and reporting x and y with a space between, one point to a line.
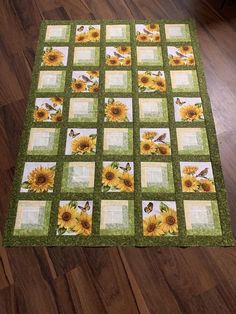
116 280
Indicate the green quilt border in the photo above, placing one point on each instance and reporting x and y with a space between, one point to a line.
139 240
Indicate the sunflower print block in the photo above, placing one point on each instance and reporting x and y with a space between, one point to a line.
87 33
54 56
81 141
151 81
197 177
117 176
48 109
75 218
159 218
118 56
118 110
148 32
188 109
85 81
155 142
181 55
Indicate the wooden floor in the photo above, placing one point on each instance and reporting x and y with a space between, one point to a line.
116 280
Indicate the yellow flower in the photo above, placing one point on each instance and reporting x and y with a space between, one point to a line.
116 111
41 179
57 100
124 50
112 61
151 226
149 135
190 60
94 34
190 112
78 86
185 49
81 38
126 61
152 27
93 73
126 183
176 60
67 217
56 117
168 221
144 80
189 184
159 83
156 37
82 145
190 169
147 147
164 149
94 88
143 37
206 186
84 224
53 57
40 115
110 176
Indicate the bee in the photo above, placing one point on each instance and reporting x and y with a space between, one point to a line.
73 134
179 102
80 29
126 168
85 208
149 208
161 138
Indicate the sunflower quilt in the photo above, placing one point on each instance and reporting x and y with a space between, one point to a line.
119 145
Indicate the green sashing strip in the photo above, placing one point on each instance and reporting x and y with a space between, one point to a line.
183 238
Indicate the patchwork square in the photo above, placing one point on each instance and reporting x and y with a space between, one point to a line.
117 217
118 81
48 109
155 141
81 141
83 110
118 110
188 109
86 56
184 81
118 141
177 32
57 33
151 81
78 177
192 141
43 141
51 81
54 56
181 55
85 81
117 33
153 110
148 32
118 56
87 33
157 177
149 56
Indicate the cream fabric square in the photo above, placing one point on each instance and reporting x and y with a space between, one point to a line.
28 212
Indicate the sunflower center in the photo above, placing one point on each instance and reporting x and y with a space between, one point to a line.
185 48
188 183
127 61
151 227
146 147
41 114
170 220
159 83
191 113
110 175
85 224
163 150
143 37
95 89
152 26
123 48
144 79
176 61
95 34
66 216
206 187
115 110
78 85
127 182
58 118
41 179
113 61
83 145
52 57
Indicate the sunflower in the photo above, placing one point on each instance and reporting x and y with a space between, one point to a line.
144 80
40 114
94 34
190 60
81 38
176 60
93 73
57 100
164 149
110 176
168 221
126 61
53 57
41 179
190 112
147 147
112 60
67 217
159 83
190 169
189 184
151 226
126 183
124 50
78 86
84 224
149 135
82 145
152 27
206 186
57 117
156 37
185 49
116 111
143 37
94 88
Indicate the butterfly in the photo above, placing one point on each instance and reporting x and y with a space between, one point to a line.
158 73
126 168
179 102
161 138
73 134
80 29
86 207
149 208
